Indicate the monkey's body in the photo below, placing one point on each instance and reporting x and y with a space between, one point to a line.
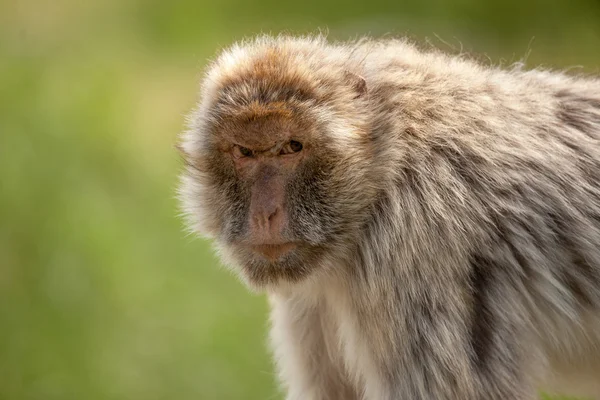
452 228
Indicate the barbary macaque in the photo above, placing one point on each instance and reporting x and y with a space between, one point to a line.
426 227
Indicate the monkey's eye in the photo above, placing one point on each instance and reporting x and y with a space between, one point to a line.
239 151
291 147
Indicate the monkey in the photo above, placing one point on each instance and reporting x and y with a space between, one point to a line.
424 225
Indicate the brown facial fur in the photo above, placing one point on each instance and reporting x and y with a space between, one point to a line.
438 236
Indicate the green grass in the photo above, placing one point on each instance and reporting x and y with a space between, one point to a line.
102 295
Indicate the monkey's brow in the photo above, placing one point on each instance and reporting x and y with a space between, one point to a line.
272 150
249 90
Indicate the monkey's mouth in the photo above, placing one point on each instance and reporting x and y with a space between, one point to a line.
272 252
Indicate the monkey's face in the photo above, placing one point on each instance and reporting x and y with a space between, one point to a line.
278 163
280 193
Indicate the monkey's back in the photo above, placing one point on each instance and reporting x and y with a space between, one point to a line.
509 162
506 163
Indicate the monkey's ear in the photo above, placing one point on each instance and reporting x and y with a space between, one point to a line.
357 82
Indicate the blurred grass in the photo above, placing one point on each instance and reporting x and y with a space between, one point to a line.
102 295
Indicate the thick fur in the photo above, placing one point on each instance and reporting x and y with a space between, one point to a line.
454 210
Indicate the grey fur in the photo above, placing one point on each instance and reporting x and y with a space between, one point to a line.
454 214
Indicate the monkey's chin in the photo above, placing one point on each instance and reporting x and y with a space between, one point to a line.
273 252
286 263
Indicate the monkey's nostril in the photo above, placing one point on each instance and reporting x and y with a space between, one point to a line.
272 215
267 220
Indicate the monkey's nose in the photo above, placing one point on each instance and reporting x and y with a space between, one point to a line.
267 224
266 219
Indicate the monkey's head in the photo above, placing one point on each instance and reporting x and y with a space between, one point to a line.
277 158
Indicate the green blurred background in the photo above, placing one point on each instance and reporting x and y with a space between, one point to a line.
102 294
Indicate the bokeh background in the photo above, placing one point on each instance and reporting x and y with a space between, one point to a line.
102 294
